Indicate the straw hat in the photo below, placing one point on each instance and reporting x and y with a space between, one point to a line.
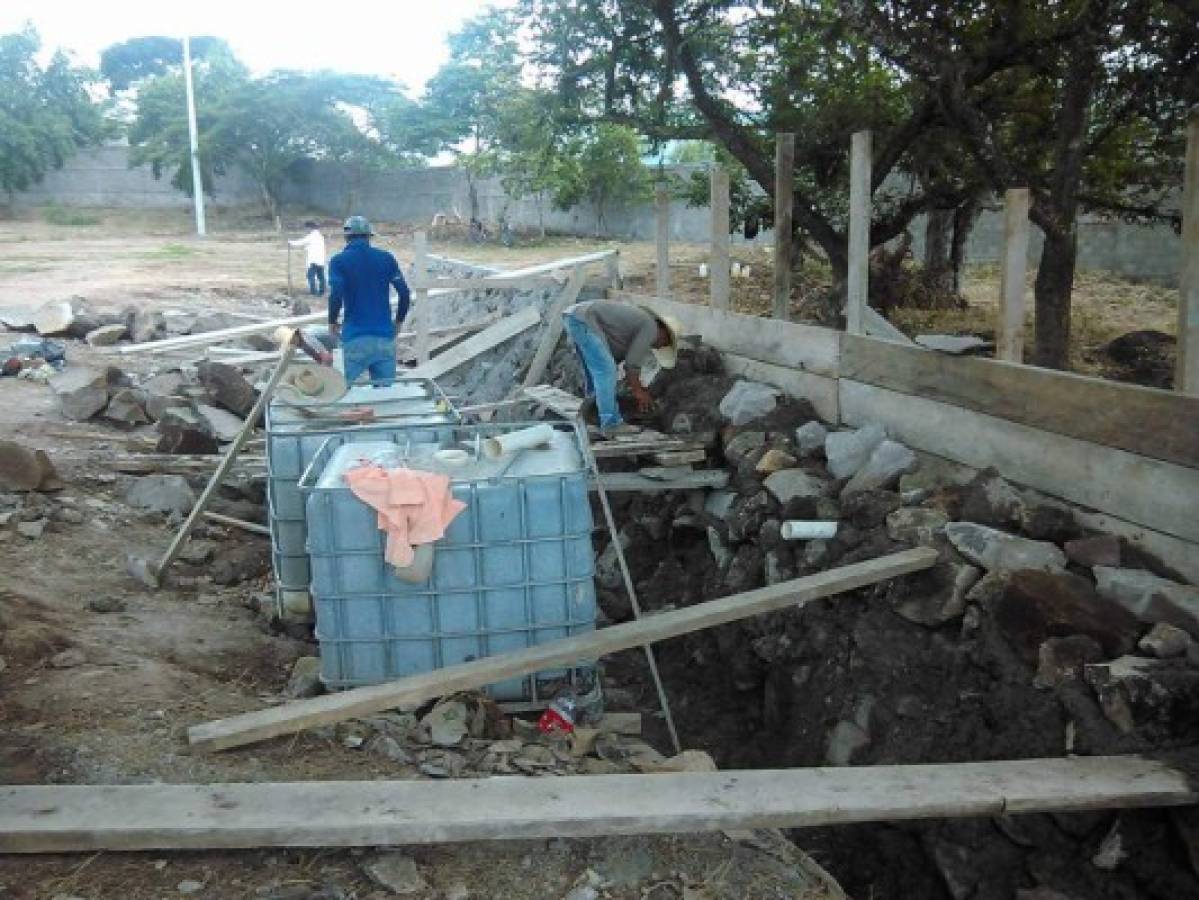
667 356
310 385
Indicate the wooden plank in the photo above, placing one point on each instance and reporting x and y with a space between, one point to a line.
1147 421
702 479
554 399
457 284
296 716
420 295
818 390
553 327
1186 377
858 281
491 336
1012 269
784 198
662 234
807 348
1158 495
875 325
89 818
252 527
680 457
718 255
639 446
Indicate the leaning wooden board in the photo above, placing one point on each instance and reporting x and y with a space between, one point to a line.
292 717
1155 423
73 818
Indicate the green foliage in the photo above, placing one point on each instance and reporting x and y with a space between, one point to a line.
130 62
69 218
46 112
601 165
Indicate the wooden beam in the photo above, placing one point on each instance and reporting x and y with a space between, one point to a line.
1157 495
553 327
296 716
1147 421
503 330
701 479
554 399
130 817
718 255
1013 266
807 348
252 527
420 295
662 233
1186 377
784 197
635 446
858 282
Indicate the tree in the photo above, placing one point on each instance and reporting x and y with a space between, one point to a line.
1093 125
601 165
46 112
130 62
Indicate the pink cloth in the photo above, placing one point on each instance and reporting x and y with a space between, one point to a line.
414 507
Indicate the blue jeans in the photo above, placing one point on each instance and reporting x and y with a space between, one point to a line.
316 276
599 368
370 353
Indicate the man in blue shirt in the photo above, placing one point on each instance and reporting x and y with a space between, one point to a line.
360 279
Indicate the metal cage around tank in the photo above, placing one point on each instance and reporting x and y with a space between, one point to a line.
514 569
294 435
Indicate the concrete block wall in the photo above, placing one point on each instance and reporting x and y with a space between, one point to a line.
101 177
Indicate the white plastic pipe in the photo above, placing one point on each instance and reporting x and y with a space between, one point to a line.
797 530
503 444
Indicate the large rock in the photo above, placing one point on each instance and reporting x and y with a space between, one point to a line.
916 525
1063 660
869 509
1150 598
810 438
937 596
748 400
775 460
1165 641
397 873
170 494
82 392
991 500
993 549
126 408
790 484
106 335
22 469
223 425
743 447
147 325
1039 605
227 387
1100 550
848 451
162 393
887 462
181 430
1155 697
748 514
54 319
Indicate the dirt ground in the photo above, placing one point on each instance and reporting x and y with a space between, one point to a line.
185 655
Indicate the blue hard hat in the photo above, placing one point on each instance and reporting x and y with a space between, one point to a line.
357 226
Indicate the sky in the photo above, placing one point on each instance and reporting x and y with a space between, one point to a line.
400 39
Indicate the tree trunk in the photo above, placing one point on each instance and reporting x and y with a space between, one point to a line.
964 218
937 265
1055 282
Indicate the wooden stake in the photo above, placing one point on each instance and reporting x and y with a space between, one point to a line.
662 231
1013 266
784 193
858 281
226 463
420 295
1186 377
718 257
416 689
553 328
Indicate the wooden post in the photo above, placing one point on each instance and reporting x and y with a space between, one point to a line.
1013 266
1186 375
420 295
718 257
612 270
784 191
858 280
662 217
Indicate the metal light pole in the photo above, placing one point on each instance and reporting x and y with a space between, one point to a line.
193 138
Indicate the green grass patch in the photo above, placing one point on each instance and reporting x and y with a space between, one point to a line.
172 251
69 218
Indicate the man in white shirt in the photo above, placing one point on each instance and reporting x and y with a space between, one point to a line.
314 251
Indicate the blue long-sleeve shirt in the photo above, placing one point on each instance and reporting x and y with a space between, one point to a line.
360 278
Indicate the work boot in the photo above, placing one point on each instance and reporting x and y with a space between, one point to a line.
624 429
